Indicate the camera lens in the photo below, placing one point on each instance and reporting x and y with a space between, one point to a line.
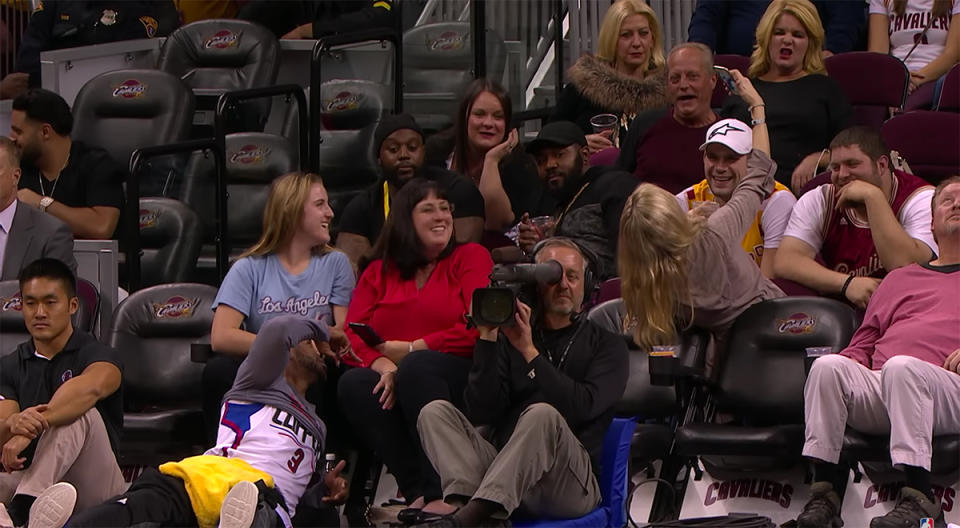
493 306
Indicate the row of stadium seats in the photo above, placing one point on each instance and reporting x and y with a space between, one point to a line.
757 386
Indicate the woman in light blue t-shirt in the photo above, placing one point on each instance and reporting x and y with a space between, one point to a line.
292 269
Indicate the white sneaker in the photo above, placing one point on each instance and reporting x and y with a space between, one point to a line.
53 507
239 506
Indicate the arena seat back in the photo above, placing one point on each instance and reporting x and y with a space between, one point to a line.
170 238
928 140
153 329
438 65
222 55
124 110
350 111
950 92
759 383
872 82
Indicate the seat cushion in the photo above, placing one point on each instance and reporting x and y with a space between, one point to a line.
161 425
651 442
876 448
722 439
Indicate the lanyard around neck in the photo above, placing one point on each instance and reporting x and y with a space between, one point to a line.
386 200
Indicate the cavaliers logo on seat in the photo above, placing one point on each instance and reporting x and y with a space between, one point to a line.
448 40
175 307
148 218
11 303
250 154
798 323
343 101
130 89
222 40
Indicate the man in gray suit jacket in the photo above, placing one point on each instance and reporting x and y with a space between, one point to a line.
26 234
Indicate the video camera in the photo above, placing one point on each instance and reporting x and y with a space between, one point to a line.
496 304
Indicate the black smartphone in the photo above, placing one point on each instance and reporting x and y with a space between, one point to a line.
724 75
367 334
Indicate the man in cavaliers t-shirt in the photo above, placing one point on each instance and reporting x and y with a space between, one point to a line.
869 221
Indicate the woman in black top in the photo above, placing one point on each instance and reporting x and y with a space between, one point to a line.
804 107
482 147
624 78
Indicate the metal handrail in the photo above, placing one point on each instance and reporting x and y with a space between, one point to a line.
316 76
132 248
227 100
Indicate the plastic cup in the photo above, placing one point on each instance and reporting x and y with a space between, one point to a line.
544 225
813 353
662 364
603 122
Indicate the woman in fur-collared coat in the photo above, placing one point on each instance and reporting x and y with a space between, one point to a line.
624 78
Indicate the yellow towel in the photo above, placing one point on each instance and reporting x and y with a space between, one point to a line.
208 478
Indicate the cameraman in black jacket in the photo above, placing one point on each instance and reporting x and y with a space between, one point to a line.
547 387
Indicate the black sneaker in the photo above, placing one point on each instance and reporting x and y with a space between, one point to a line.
823 508
912 506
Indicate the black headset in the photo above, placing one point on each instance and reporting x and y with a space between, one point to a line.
590 286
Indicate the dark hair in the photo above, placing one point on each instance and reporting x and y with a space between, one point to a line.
868 139
472 92
49 268
45 106
10 148
398 243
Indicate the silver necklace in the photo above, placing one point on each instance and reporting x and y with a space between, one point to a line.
52 189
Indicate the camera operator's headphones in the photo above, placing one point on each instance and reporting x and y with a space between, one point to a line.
590 286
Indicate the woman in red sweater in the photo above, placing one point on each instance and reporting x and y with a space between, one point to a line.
414 294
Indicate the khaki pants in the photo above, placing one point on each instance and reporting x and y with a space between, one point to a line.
78 453
543 471
908 398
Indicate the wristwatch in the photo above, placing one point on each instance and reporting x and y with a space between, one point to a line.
45 202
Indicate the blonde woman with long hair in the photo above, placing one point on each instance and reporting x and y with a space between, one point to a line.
292 269
805 107
680 268
625 77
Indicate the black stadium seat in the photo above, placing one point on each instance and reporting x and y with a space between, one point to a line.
349 113
170 238
658 406
13 331
153 330
438 65
254 160
760 383
218 55
124 110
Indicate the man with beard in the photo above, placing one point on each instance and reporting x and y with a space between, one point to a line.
269 435
546 387
900 376
591 199
398 143
79 184
870 220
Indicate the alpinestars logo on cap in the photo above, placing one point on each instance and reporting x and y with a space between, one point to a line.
722 131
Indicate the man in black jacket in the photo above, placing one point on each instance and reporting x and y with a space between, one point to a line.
547 386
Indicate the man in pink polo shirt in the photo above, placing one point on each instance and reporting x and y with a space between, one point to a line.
900 376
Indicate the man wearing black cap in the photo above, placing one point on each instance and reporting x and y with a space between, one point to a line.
399 147
591 199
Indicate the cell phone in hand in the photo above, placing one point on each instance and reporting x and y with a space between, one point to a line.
367 334
727 78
